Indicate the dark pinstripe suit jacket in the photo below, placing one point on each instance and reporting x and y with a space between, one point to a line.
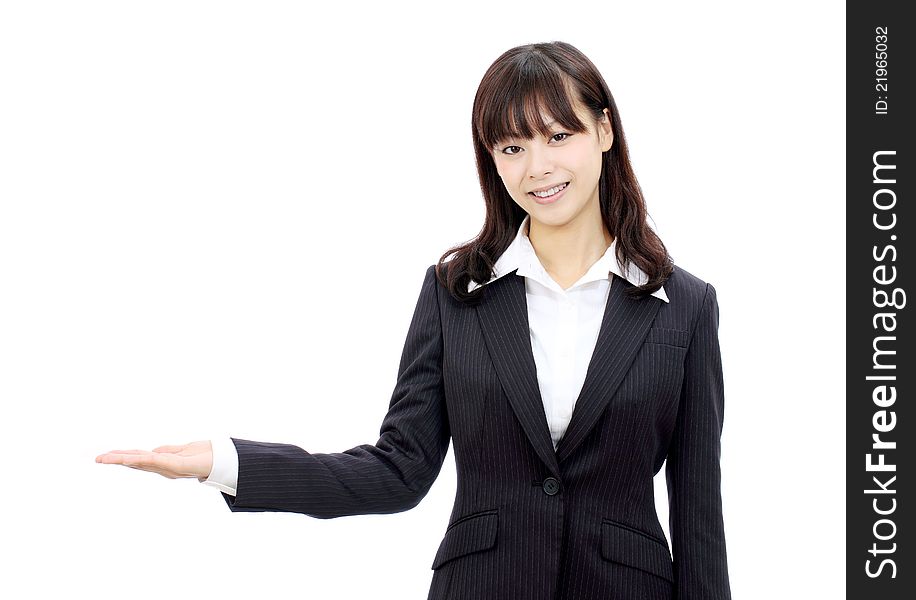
529 522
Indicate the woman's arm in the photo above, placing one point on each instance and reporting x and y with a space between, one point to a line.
692 468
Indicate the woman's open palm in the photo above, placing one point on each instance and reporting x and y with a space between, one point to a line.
188 460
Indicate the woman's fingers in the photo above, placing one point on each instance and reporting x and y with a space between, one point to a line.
129 458
117 456
110 458
146 461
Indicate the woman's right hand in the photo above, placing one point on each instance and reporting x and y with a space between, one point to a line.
188 460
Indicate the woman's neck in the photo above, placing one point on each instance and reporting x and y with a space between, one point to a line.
567 251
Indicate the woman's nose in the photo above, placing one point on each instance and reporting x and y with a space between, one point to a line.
539 161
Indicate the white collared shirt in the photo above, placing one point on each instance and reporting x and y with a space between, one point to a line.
563 325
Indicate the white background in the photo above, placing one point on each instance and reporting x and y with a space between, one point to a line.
211 211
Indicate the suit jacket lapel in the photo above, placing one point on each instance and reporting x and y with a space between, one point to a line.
624 327
503 315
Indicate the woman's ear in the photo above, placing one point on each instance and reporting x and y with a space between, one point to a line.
605 132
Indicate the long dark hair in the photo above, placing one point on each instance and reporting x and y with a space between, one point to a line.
516 85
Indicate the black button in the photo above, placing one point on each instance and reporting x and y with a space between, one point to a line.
551 486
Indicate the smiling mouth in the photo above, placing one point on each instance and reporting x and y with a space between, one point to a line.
558 189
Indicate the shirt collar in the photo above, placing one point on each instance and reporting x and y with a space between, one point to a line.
520 255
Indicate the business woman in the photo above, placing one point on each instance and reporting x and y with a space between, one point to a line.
564 356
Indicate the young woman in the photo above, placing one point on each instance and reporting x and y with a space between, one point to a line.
564 356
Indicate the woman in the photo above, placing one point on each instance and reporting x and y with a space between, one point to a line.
561 352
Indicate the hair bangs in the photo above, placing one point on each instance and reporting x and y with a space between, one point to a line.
525 99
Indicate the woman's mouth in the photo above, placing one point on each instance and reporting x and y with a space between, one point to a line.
557 192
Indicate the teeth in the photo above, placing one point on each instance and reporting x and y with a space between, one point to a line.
549 192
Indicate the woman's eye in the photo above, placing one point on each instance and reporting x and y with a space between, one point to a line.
553 137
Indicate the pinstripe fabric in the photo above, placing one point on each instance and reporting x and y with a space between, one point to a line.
530 522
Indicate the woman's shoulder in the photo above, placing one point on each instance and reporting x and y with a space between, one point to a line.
439 271
682 285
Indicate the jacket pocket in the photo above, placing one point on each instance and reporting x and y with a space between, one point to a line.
468 534
663 335
626 545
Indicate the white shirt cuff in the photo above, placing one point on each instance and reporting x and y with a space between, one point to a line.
225 472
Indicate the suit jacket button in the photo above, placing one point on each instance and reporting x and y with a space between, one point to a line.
551 486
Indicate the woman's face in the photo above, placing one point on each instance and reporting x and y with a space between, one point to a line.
560 158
